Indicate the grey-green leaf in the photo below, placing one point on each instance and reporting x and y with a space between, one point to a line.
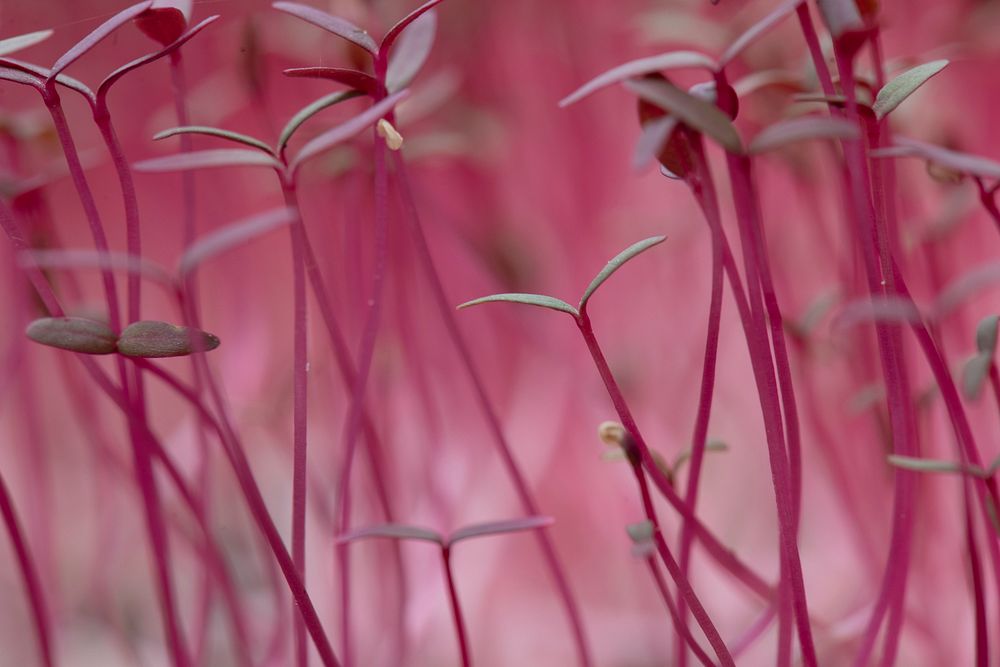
215 132
499 527
974 375
311 110
794 130
696 113
894 92
540 300
395 531
617 262
641 531
76 334
931 465
986 335
12 44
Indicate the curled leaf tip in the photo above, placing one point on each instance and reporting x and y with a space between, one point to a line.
153 339
76 334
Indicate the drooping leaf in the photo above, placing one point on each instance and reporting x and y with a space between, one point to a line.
411 52
793 130
98 34
82 258
230 236
616 263
309 111
76 334
539 300
769 78
215 132
694 112
958 290
14 44
637 68
964 163
894 92
758 30
347 129
39 74
986 334
395 531
333 24
21 77
395 31
352 78
165 20
840 16
655 135
892 309
929 465
217 157
151 339
499 528
974 375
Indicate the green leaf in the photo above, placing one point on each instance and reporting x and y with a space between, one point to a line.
617 262
974 375
641 531
696 113
893 93
12 44
215 132
395 531
790 131
499 527
540 300
986 335
311 110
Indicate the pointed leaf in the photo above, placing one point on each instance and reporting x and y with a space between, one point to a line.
539 300
99 33
76 334
695 113
411 52
840 16
396 531
928 465
347 129
394 32
82 258
893 93
215 132
986 334
165 20
352 78
337 26
758 30
790 131
231 236
218 157
974 375
655 135
156 340
638 68
40 74
499 527
965 163
13 44
308 112
617 262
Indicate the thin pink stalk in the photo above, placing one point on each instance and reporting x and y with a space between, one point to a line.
981 637
456 609
668 600
486 406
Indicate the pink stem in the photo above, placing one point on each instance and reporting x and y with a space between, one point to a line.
456 609
661 586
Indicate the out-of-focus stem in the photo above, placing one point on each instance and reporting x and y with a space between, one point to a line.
456 609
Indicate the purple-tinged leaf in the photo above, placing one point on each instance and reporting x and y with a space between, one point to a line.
395 531
231 236
99 33
76 334
758 30
986 335
540 300
973 165
43 73
769 78
309 111
333 24
20 76
394 32
894 92
654 137
351 78
693 112
974 375
840 16
958 290
790 131
616 263
110 80
91 259
244 139
156 340
14 44
165 20
218 157
638 68
890 309
499 527
820 98
411 52
347 129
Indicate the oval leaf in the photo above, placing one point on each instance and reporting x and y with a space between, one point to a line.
309 111
231 236
347 129
219 157
539 300
215 132
337 26
352 78
499 527
99 33
893 93
965 163
974 375
758 30
76 334
13 44
637 68
152 339
790 131
411 52
695 113
616 263
840 16
395 31
396 531
986 335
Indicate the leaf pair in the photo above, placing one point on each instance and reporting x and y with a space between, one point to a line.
400 531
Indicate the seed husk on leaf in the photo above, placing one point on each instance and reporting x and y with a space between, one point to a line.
76 334
153 339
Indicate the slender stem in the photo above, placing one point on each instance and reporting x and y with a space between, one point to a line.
981 636
672 609
456 609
